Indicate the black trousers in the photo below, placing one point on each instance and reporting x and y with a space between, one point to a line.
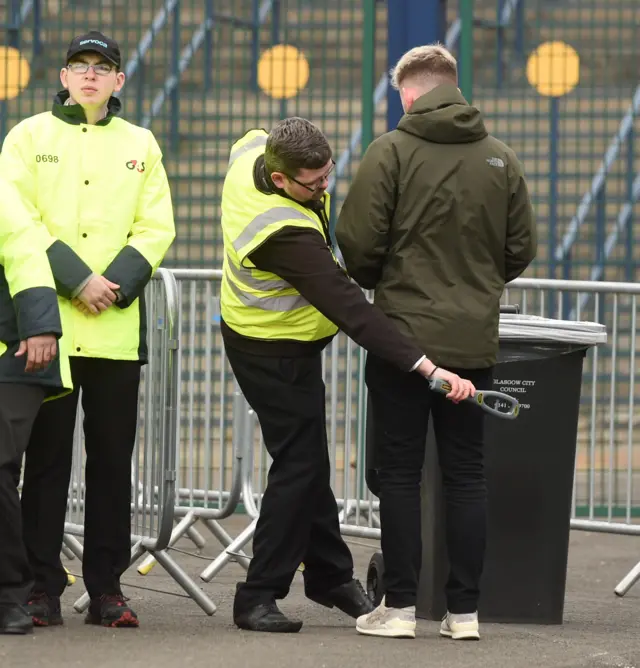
299 516
110 404
19 405
402 404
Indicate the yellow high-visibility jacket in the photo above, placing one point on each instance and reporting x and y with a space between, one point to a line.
28 303
100 195
254 303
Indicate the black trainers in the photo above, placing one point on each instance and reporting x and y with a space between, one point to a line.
44 609
111 610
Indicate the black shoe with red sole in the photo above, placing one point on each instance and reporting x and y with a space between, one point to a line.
111 610
44 609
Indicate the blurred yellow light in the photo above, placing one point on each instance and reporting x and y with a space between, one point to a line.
283 71
14 73
553 69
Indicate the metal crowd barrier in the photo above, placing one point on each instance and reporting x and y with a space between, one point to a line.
153 477
222 465
211 412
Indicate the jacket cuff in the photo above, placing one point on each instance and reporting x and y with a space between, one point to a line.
69 270
37 313
418 363
131 271
82 286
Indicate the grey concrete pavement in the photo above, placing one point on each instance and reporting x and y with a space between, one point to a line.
600 630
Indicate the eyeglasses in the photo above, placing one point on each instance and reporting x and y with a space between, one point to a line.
101 69
316 185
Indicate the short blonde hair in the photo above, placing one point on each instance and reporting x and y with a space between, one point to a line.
425 62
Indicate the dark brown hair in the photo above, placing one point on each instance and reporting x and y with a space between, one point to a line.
293 144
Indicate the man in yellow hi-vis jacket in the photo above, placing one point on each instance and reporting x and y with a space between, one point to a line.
283 298
31 371
97 187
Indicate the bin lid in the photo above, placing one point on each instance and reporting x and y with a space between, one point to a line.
523 327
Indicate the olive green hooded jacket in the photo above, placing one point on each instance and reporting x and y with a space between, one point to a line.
437 220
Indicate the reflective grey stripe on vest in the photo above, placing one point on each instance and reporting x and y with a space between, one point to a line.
246 277
262 220
261 140
283 303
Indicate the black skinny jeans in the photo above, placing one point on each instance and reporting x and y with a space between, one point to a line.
401 405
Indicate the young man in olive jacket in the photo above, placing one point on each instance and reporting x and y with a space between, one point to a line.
32 370
437 220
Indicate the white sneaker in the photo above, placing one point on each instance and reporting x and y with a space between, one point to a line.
460 627
388 622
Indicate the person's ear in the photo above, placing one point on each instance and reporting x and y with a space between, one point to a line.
64 78
408 97
279 179
120 78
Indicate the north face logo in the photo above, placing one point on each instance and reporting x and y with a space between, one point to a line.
496 162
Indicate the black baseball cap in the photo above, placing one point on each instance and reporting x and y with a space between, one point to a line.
95 42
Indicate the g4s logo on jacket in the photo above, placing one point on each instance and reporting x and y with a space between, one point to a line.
133 164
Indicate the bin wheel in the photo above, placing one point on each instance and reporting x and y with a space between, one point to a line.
375 579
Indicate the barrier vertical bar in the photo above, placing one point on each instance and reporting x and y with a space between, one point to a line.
362 491
554 131
631 407
613 422
172 398
601 232
566 275
629 250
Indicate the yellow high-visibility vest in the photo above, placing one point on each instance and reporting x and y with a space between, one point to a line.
254 303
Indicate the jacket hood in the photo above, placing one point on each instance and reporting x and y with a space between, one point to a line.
443 116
